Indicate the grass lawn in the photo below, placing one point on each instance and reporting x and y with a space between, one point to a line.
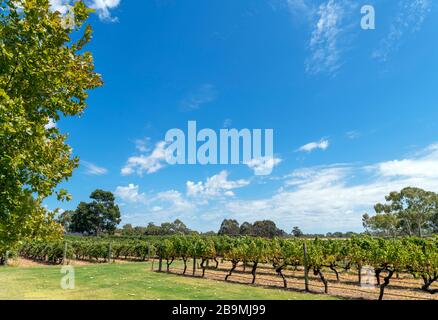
128 281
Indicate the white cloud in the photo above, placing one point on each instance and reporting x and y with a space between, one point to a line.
93 169
51 124
335 197
322 144
215 186
263 165
206 93
318 199
130 194
149 164
409 19
60 5
142 145
424 167
102 7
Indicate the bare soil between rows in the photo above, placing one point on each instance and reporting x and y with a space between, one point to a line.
406 287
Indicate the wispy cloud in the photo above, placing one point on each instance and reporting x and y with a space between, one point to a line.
353 134
302 9
409 19
329 23
323 144
93 169
204 94
325 50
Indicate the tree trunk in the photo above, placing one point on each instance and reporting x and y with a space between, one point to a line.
428 281
323 279
185 265
232 269
359 273
385 283
217 263
168 264
279 270
254 272
378 272
203 267
332 267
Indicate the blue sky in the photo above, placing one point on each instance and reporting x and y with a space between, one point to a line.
353 111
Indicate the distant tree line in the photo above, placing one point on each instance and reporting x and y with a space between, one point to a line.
412 211
168 228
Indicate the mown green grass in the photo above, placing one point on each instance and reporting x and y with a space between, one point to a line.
130 281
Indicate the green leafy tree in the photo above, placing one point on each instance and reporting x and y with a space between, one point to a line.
28 221
412 207
101 215
386 224
297 233
266 229
65 219
45 74
246 229
229 227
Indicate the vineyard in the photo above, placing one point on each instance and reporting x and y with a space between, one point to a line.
279 262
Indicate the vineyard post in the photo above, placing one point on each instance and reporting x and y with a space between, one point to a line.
194 264
110 249
160 264
64 257
149 251
6 258
306 268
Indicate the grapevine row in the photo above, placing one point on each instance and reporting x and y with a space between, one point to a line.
388 257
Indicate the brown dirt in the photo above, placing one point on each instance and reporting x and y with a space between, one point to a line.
404 288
